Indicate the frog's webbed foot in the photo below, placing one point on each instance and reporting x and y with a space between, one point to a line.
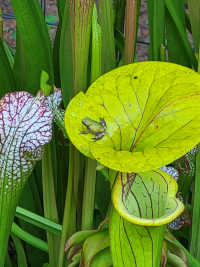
103 123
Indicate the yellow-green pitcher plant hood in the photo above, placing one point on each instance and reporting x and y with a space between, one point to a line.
147 198
151 111
144 204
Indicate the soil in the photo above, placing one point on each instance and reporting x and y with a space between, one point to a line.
50 8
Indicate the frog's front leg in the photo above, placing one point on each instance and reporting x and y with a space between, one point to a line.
103 123
85 132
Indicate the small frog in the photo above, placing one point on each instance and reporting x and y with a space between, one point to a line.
94 127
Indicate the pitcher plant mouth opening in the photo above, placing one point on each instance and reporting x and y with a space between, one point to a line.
147 198
123 122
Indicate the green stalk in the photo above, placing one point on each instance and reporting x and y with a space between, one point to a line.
69 219
108 42
49 198
156 17
96 46
1 25
28 238
194 15
130 30
8 204
195 236
38 221
89 195
119 14
21 255
90 168
74 52
74 48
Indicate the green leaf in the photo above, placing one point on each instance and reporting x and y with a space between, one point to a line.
151 110
156 19
79 238
33 47
175 9
93 245
106 21
21 256
102 259
46 88
74 47
195 235
177 51
6 74
38 221
191 260
28 238
194 15
96 46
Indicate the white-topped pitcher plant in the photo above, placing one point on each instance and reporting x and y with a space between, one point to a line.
134 120
25 126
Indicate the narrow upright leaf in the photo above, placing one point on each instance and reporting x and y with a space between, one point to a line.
179 49
106 21
194 15
7 80
156 18
177 26
74 47
33 48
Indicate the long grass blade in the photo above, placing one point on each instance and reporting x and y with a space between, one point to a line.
50 206
156 18
74 47
194 15
106 20
33 47
176 11
21 255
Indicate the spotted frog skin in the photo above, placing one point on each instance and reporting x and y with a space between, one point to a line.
94 127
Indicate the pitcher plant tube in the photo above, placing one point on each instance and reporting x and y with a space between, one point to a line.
134 120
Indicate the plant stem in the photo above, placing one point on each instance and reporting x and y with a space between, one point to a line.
7 212
96 46
195 236
130 30
49 198
38 221
156 19
28 238
89 195
69 219
108 42
74 47
1 25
